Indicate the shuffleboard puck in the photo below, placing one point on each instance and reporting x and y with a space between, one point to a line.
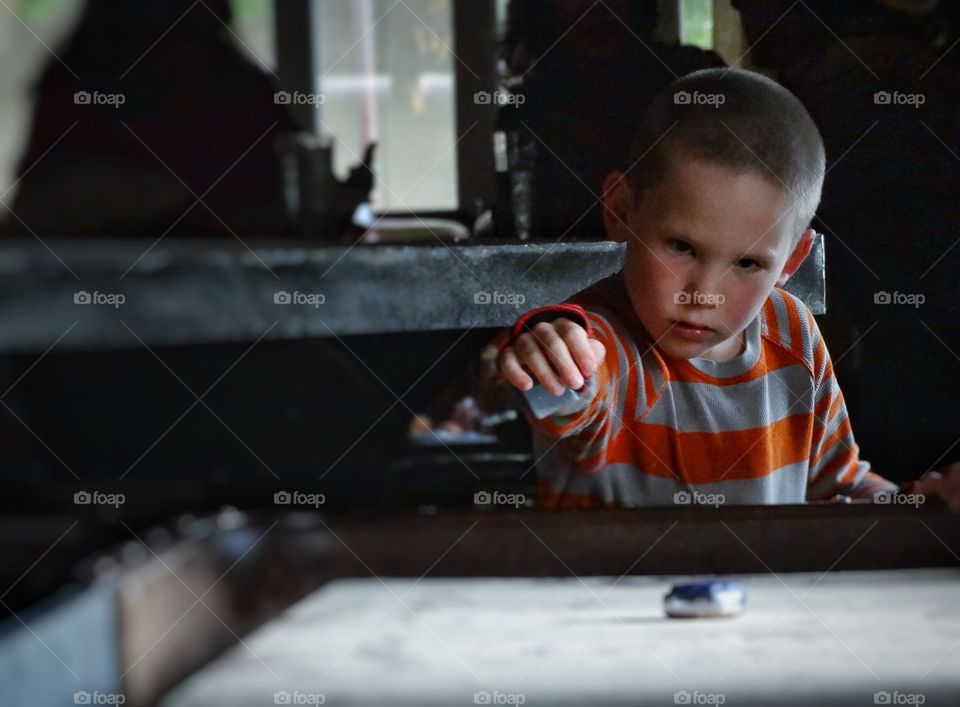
704 599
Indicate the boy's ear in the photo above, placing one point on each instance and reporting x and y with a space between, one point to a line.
799 254
616 205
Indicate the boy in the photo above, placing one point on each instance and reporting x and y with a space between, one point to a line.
692 377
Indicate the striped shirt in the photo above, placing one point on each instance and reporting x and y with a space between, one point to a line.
767 427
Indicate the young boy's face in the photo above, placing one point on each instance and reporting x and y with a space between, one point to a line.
705 247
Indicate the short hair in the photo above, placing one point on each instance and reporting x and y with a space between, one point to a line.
737 119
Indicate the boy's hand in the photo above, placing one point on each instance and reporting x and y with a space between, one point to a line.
558 354
943 485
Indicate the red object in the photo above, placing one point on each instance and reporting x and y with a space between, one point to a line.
535 316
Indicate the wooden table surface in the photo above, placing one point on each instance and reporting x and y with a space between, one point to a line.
856 637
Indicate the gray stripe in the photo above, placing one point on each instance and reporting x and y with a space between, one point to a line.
554 464
619 389
830 486
831 426
783 321
598 441
809 334
841 446
649 370
703 407
827 389
822 369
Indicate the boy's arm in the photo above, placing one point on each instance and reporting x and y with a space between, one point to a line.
835 464
579 421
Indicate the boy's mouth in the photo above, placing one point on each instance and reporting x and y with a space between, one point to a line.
695 326
693 331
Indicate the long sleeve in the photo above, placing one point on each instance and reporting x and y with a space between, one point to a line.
835 464
581 428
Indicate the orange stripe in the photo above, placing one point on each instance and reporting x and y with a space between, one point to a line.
843 430
772 358
830 470
704 456
827 409
822 409
836 407
811 323
851 473
773 325
819 354
793 322
649 390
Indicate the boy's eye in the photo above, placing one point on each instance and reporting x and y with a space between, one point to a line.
679 246
747 263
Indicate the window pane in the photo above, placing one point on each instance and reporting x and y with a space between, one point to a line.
696 23
23 56
389 78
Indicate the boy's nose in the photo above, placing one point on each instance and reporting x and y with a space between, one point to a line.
703 291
